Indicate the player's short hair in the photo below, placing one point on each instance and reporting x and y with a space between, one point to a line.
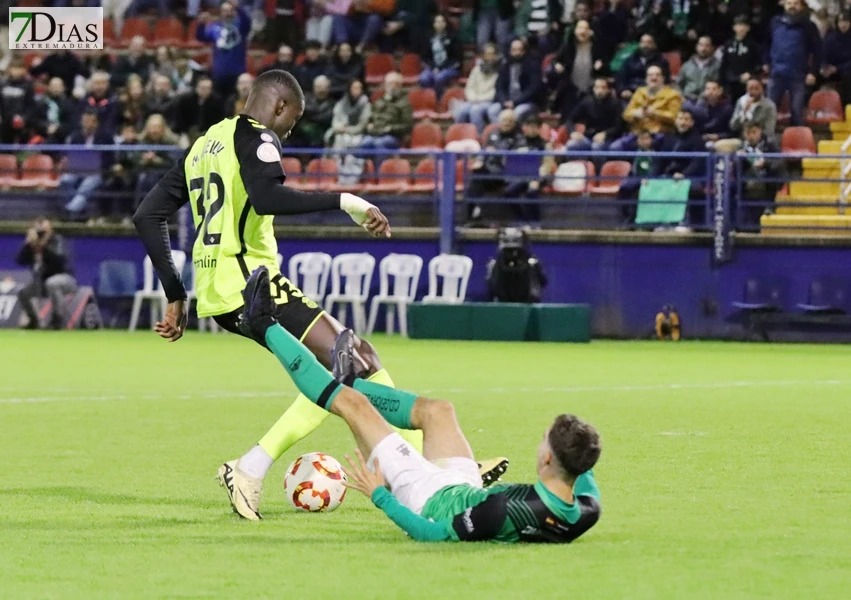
280 82
575 444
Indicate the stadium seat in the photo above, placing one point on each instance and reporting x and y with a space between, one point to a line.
466 68
8 170
351 277
784 111
611 176
410 67
572 183
309 272
191 41
762 294
394 175
367 176
444 110
152 290
487 132
116 282
798 140
448 275
425 177
320 174
462 131
423 103
825 106
169 32
404 270
377 66
826 295
292 167
426 136
135 26
376 95
37 171
675 61
109 38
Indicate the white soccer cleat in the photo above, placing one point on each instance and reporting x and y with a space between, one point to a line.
243 491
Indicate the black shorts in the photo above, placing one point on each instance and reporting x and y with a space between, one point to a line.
295 312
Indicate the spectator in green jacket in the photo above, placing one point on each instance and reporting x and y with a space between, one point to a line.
392 118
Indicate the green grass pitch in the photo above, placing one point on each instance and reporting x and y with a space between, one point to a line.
726 472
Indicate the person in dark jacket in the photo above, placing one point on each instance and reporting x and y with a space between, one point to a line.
100 100
161 99
741 59
360 27
611 29
442 58
712 18
314 65
284 61
757 193
229 36
529 140
405 26
78 184
17 104
45 253
634 69
196 111
135 62
836 63
493 20
794 57
506 137
55 114
236 102
574 69
346 66
117 199
715 113
63 64
318 114
519 85
600 115
686 138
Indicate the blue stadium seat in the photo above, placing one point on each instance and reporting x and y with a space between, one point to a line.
762 293
117 279
826 295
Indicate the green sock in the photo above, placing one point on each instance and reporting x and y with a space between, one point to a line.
394 405
310 377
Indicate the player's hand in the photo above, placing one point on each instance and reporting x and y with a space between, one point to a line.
359 476
376 223
172 327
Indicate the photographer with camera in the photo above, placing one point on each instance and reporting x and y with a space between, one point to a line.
44 251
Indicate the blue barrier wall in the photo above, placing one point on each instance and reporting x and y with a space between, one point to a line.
625 284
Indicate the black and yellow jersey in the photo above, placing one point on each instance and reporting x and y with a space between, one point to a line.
232 178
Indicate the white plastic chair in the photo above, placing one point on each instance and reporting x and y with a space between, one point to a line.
309 272
191 297
152 290
455 272
357 271
405 270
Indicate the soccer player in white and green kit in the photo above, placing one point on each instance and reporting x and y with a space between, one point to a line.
234 182
436 495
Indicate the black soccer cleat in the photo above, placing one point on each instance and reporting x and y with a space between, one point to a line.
258 311
492 470
343 358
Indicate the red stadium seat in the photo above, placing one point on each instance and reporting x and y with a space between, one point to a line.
37 171
784 111
170 32
292 169
426 136
375 95
611 177
425 177
487 132
462 131
394 175
191 41
321 174
466 69
367 177
798 140
135 26
562 136
8 170
410 67
109 37
444 111
675 61
825 106
377 66
423 103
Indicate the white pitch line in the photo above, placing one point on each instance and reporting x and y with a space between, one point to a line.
434 392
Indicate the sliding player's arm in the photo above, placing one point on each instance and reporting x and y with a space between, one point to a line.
259 154
151 220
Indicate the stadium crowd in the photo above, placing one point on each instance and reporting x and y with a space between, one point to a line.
665 75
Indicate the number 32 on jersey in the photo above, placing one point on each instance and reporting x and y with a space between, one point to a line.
208 205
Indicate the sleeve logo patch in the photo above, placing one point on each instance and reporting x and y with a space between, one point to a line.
265 137
268 153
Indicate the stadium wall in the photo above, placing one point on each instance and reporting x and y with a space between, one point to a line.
626 284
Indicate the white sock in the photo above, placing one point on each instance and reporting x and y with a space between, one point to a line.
256 462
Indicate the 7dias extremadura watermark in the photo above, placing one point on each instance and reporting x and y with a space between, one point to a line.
55 28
